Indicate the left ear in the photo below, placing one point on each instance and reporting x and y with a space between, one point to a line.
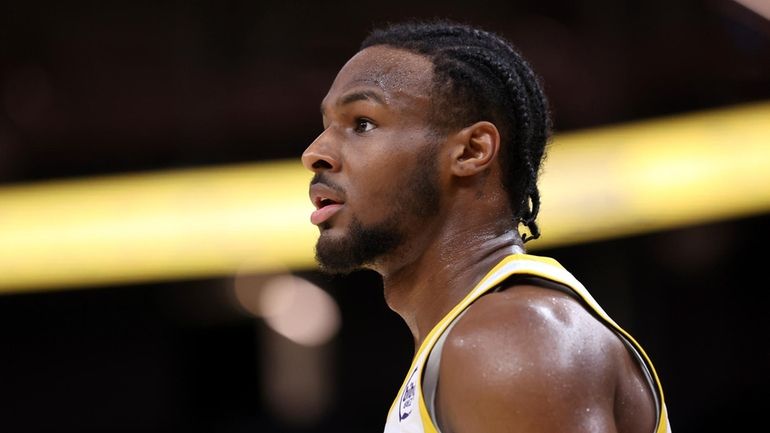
475 148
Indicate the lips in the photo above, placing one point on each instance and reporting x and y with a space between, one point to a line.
327 202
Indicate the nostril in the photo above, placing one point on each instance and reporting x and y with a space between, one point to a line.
321 164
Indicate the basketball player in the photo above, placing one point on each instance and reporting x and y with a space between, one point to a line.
425 170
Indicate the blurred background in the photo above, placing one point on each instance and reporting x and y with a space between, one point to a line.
156 268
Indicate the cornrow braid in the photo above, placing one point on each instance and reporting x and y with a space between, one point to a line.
480 76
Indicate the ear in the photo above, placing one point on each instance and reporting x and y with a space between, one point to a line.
475 148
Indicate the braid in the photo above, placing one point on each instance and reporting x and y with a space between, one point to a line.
480 76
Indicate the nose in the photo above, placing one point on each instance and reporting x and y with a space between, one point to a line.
320 155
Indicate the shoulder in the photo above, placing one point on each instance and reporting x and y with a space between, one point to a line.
530 356
527 326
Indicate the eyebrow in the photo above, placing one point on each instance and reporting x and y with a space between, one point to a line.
360 95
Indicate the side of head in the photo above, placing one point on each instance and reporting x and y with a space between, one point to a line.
478 76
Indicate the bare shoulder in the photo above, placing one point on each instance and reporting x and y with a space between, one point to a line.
535 358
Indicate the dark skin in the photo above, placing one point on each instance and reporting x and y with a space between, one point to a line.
526 359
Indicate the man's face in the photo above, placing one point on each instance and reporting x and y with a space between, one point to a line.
376 177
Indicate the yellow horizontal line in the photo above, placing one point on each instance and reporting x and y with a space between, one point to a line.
596 184
657 174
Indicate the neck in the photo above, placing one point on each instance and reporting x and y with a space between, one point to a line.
423 288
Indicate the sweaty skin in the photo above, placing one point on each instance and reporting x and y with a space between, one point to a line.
526 359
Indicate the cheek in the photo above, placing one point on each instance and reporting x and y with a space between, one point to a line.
377 187
373 188
379 171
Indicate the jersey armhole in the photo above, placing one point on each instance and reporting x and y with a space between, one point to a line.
431 372
433 364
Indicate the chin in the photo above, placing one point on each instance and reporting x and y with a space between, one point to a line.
334 253
344 251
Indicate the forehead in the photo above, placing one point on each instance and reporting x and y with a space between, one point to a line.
397 73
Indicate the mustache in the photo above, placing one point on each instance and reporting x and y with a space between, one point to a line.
323 179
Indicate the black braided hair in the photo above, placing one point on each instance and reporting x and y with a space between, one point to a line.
480 76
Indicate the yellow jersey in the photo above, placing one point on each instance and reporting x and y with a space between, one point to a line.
412 411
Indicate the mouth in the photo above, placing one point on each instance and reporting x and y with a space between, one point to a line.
326 201
322 202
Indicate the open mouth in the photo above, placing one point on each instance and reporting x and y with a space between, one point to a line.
325 209
327 202
323 202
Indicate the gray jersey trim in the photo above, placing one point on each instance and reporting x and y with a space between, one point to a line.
647 374
430 373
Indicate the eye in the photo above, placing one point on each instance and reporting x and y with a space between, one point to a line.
364 125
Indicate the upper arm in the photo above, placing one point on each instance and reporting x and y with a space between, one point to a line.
527 361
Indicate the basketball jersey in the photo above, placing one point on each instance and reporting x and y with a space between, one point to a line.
413 412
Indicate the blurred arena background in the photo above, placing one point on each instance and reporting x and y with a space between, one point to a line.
156 268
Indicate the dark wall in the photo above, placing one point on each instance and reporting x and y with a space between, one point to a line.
105 87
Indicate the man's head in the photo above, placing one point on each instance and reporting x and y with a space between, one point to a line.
389 121
479 76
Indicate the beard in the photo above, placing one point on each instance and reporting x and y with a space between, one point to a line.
418 196
361 246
